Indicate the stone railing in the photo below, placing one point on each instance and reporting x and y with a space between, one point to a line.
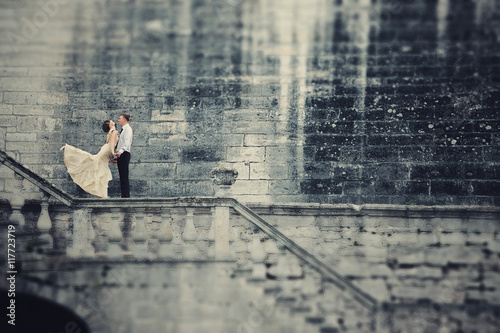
146 228
179 229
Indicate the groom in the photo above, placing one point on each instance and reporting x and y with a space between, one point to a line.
123 153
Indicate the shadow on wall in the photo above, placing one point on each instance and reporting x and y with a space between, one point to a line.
32 313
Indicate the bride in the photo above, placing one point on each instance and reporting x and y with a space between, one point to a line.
91 172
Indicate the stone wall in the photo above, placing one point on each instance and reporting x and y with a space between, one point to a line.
432 268
319 101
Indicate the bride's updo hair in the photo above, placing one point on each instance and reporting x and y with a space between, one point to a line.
105 126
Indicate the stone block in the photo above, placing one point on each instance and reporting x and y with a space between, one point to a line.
383 224
250 187
245 115
267 140
289 231
407 255
441 256
6 109
427 238
146 325
421 272
321 187
376 288
162 188
279 154
308 232
233 140
172 115
494 246
8 121
257 127
479 238
145 310
353 268
466 275
52 98
22 147
268 171
168 127
259 102
399 238
22 137
156 170
329 221
379 269
158 154
13 71
58 137
50 71
481 224
194 171
243 170
250 198
20 97
414 293
45 171
22 83
492 297
452 238
6 173
202 154
34 123
195 188
291 221
245 154
370 240
491 279
376 254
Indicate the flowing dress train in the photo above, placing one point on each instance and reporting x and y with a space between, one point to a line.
90 172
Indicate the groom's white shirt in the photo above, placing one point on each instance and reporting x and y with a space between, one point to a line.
125 141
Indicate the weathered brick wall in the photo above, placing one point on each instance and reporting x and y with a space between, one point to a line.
324 101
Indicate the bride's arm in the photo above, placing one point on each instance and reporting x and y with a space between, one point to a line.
112 141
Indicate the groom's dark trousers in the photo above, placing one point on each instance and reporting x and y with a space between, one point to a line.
123 162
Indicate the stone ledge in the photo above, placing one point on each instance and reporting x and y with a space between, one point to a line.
375 210
401 306
380 210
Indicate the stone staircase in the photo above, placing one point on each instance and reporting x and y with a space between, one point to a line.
298 292
302 285
216 261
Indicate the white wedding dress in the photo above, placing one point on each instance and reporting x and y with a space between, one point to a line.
90 172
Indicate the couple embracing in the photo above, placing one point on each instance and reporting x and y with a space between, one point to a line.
91 172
